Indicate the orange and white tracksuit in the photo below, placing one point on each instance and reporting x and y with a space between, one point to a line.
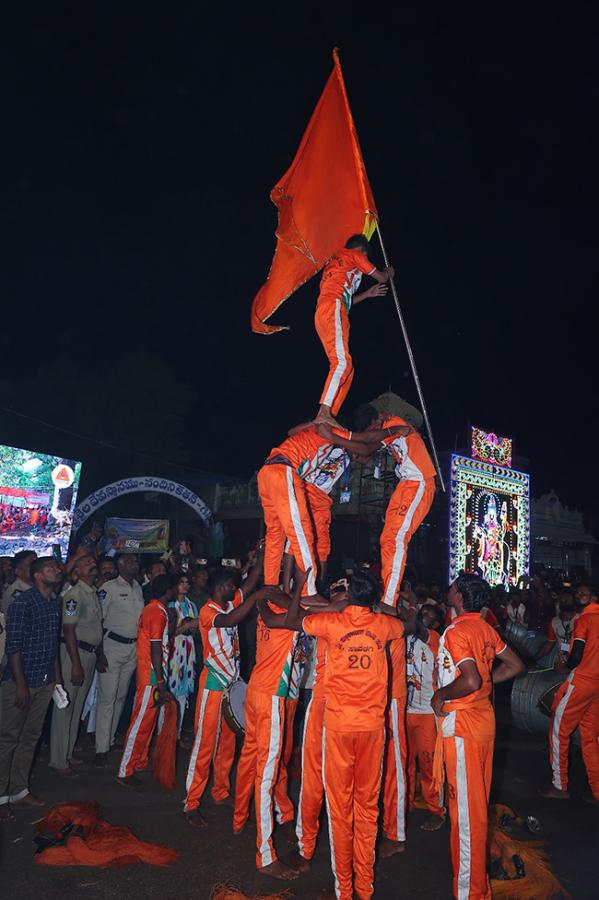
311 793
395 785
421 724
408 506
283 497
465 744
153 627
340 280
214 741
258 766
283 805
356 687
576 705
486 614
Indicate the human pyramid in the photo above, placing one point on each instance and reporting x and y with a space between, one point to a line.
382 675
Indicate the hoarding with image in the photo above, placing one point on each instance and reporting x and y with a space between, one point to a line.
136 535
38 494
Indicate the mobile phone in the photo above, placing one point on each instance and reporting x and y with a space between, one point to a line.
229 563
57 552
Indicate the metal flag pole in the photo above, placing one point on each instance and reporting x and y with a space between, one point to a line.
412 361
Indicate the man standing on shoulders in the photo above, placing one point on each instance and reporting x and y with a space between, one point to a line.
81 651
123 605
576 704
463 701
28 682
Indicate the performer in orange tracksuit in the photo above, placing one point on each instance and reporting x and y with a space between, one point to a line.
281 485
356 692
258 766
411 499
576 704
395 793
465 675
421 725
214 741
283 805
152 650
340 280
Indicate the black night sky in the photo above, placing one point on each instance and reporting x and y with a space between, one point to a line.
140 143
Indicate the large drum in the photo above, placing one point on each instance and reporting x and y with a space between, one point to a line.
234 706
528 643
532 696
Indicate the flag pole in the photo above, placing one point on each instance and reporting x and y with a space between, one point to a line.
412 361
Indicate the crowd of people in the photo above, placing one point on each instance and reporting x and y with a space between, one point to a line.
392 677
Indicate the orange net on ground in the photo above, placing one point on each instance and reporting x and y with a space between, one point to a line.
97 843
228 892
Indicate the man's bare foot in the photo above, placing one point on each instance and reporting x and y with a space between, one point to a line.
553 793
279 870
29 800
288 831
388 848
296 861
228 801
130 781
6 813
196 819
433 823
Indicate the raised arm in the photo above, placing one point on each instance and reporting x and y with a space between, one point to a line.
227 620
255 572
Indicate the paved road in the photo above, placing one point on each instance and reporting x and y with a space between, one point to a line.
215 855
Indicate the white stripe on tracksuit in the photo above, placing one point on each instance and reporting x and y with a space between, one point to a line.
134 730
326 797
299 831
399 774
274 747
306 552
198 740
398 556
557 721
341 367
463 820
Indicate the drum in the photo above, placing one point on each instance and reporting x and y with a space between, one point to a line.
234 706
531 698
527 644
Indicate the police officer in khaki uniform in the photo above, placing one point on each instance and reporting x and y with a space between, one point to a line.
81 651
123 605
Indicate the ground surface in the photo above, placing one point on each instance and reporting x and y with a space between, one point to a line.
214 855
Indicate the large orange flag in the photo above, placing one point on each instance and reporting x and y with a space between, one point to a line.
323 198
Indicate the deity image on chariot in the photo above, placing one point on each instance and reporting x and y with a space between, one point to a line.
492 550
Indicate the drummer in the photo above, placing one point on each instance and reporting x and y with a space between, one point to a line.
218 622
560 629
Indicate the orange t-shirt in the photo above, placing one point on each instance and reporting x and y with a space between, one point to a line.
342 276
153 626
469 637
410 454
486 614
587 629
356 685
274 658
307 450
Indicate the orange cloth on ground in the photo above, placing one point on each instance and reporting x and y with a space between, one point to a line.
286 515
467 734
356 681
352 776
258 768
102 844
311 793
214 743
319 506
407 509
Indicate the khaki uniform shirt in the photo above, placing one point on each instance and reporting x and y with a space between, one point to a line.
123 605
81 607
13 590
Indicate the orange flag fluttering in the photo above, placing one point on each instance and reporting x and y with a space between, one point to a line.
323 198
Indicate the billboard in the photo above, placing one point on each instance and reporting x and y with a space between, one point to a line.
38 494
489 527
136 535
